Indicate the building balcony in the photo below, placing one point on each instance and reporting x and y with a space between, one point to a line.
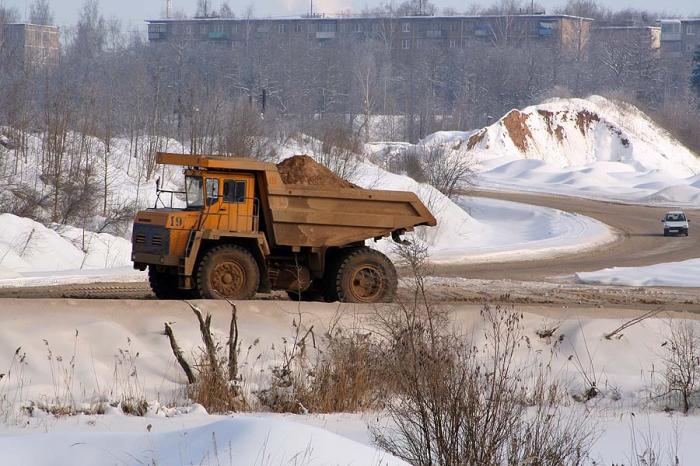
218 36
155 36
325 35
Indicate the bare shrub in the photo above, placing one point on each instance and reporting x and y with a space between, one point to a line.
681 364
247 135
457 401
339 150
343 372
12 384
447 170
216 385
127 388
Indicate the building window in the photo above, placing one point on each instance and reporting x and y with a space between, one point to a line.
188 30
326 26
157 28
482 30
298 27
203 29
689 29
218 27
406 27
405 44
234 27
455 27
453 44
671 28
433 34
357 27
282 28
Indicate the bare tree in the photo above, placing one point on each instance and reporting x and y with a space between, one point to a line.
40 12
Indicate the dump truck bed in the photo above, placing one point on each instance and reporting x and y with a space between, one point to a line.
308 217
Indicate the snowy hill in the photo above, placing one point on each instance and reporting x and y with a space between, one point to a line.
574 132
591 147
27 246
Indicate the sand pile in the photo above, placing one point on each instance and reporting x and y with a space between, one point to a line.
303 170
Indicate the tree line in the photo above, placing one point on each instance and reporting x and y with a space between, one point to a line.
110 83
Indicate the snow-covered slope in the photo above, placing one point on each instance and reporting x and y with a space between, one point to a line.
27 246
590 147
219 440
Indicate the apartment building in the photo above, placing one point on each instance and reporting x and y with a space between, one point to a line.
26 44
569 33
679 38
644 38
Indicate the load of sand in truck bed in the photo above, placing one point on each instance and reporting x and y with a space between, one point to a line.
305 171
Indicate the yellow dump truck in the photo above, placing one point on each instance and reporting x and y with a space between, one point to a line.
242 231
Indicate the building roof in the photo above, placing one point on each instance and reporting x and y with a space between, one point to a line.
48 26
598 28
368 18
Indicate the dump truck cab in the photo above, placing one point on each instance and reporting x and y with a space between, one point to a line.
238 229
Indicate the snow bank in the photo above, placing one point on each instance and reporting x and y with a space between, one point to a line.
27 246
239 440
683 274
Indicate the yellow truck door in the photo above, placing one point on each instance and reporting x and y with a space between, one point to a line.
230 203
239 208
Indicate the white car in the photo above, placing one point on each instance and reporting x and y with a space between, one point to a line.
675 223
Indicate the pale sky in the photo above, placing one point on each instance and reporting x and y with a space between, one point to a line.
135 11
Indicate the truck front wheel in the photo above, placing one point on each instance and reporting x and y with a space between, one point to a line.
228 271
165 285
365 275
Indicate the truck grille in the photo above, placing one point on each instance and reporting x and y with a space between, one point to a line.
150 239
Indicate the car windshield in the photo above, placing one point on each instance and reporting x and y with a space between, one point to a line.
195 191
675 217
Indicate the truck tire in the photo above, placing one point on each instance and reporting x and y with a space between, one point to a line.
165 285
228 271
365 275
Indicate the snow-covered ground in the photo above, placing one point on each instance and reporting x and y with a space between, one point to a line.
103 350
683 274
192 438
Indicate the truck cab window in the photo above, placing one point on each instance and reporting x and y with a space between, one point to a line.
194 192
212 190
235 191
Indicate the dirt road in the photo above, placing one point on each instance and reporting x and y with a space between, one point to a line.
641 243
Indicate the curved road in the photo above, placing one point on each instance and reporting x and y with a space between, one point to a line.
641 240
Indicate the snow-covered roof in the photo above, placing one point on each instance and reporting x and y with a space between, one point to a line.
368 18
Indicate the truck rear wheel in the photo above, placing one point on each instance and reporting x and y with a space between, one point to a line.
165 285
365 275
228 271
